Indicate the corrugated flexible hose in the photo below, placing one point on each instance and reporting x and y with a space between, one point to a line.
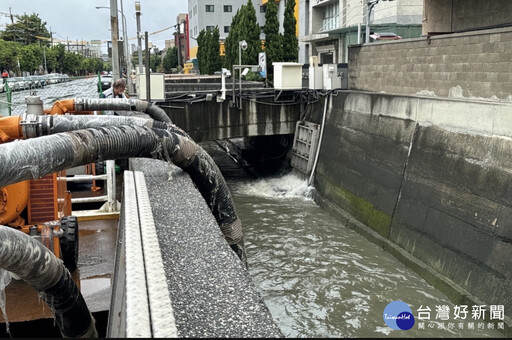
30 260
34 158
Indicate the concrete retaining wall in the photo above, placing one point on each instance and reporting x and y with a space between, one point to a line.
433 176
479 62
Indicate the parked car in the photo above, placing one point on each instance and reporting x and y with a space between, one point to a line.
53 78
35 82
106 82
13 84
42 80
23 83
2 86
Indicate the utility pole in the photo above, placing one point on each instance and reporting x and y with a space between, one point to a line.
179 43
148 78
128 56
115 36
369 7
137 12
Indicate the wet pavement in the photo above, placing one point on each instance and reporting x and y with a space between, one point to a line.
94 273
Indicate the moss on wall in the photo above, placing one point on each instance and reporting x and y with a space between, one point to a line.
361 209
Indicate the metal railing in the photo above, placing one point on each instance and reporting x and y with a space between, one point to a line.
49 89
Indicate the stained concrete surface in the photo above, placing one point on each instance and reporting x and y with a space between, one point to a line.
211 292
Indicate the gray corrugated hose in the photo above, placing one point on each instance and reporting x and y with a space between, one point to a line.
42 270
122 104
34 158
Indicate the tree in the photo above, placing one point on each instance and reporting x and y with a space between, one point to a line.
214 60
31 56
26 29
290 41
8 55
250 32
170 60
59 51
231 43
202 51
273 44
154 62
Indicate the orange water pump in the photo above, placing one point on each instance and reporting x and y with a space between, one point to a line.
35 206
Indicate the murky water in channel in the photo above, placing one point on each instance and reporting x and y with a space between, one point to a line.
321 279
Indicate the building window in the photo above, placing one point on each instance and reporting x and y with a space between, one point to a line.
228 8
263 8
209 28
262 29
209 8
331 17
226 29
195 10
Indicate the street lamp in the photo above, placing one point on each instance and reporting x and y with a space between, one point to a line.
125 37
115 37
139 43
242 45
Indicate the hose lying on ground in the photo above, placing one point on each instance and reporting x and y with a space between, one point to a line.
34 158
30 260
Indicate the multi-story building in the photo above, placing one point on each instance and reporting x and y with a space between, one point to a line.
328 27
206 14
182 37
95 48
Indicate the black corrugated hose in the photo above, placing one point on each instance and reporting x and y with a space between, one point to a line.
34 158
34 263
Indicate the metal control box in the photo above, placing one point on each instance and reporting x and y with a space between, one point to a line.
287 76
157 86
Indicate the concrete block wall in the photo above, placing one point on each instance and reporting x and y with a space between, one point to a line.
478 63
431 176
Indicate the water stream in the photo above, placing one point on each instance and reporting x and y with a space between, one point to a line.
321 279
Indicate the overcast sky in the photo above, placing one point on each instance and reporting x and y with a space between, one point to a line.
79 19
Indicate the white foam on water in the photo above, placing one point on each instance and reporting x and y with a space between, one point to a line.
288 186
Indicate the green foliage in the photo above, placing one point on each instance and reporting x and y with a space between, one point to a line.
231 43
170 60
244 26
273 40
26 29
253 76
72 63
154 62
202 51
8 55
290 41
208 52
214 60
250 32
31 57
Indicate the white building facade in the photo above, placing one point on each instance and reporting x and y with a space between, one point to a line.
328 27
206 14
